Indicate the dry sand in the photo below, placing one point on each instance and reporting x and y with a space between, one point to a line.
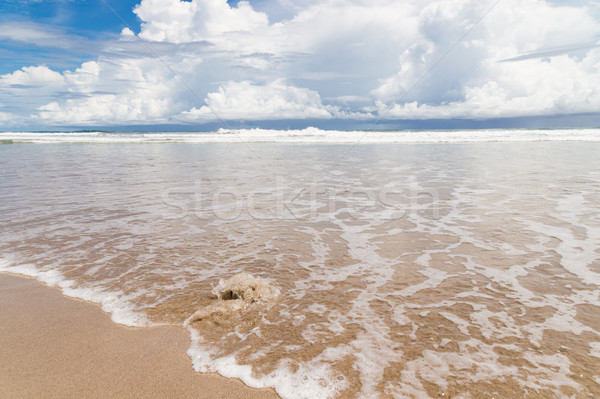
58 347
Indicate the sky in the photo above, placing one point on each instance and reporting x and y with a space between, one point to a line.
91 63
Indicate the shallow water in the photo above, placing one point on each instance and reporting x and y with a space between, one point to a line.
401 270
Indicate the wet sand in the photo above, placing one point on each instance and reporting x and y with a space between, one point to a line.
58 347
404 271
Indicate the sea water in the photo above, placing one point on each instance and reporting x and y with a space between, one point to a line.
329 264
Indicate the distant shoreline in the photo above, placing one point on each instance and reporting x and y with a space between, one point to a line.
565 121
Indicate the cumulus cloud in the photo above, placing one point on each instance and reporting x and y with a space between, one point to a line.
205 60
178 21
24 90
470 81
275 100
105 109
561 85
93 96
32 76
98 92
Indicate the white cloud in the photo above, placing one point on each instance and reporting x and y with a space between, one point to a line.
26 32
275 100
8 120
147 96
561 85
85 77
44 36
105 109
131 91
328 59
178 21
128 33
27 76
470 82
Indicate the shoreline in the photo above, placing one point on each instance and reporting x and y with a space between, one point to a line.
57 346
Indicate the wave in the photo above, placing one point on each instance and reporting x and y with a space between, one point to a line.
308 135
115 303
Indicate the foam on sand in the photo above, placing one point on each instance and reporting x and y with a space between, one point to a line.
235 295
116 304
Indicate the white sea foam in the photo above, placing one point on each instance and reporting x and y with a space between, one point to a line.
116 303
22 269
235 295
595 349
312 380
308 135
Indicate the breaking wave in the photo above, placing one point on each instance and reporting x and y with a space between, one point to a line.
308 135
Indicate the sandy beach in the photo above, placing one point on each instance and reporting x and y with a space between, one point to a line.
57 347
406 270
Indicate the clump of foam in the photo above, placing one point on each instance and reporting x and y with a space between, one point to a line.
235 295
247 288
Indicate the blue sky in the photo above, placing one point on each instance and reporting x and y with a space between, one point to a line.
212 62
78 15
90 19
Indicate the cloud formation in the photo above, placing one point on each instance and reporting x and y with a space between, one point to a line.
204 60
178 21
275 100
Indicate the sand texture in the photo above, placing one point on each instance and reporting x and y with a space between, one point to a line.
58 347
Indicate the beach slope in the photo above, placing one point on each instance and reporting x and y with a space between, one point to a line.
58 347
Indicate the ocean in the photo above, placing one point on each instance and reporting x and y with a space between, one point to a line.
329 264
